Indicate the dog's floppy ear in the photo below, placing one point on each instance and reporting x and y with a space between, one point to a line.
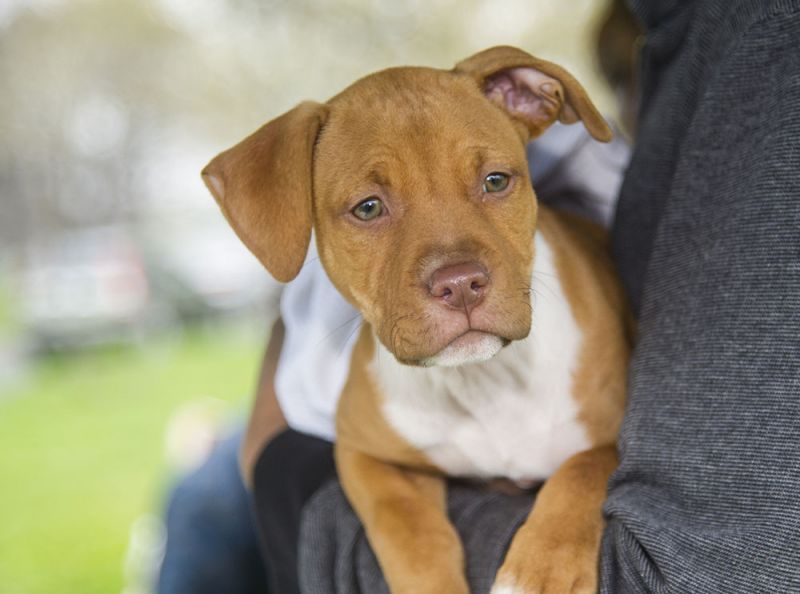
533 91
263 186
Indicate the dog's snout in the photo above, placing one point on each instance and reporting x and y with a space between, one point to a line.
460 286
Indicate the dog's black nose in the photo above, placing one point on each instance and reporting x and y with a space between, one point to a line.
460 286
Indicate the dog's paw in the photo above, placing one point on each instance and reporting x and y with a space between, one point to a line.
563 570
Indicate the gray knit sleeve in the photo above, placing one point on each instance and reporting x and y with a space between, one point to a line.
706 497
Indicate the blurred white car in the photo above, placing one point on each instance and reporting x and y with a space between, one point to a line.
84 287
203 270
102 285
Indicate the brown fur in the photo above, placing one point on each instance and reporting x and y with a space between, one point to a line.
422 140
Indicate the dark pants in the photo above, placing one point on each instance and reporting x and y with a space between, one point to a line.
290 470
212 546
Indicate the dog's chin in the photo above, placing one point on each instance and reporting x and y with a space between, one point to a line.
473 346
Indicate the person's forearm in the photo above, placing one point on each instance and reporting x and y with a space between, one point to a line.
266 419
705 497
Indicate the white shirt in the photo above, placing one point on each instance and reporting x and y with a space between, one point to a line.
321 328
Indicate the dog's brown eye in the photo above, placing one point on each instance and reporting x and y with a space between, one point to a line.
495 182
368 209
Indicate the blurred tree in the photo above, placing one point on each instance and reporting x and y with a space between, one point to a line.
109 109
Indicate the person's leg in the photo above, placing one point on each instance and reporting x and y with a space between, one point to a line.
212 546
292 467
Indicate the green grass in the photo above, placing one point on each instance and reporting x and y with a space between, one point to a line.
82 447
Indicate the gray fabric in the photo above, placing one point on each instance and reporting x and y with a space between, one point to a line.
335 557
708 240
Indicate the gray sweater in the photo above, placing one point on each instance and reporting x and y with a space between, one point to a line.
707 238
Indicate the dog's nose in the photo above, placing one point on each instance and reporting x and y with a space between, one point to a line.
461 286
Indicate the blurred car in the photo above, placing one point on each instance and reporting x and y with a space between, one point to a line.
84 287
103 285
204 272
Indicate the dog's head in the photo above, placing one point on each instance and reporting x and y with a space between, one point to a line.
416 185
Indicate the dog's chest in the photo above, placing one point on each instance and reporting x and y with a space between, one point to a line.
514 416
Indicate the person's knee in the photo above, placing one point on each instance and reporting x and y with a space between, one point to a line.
211 542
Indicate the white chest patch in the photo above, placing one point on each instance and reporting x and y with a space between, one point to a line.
513 416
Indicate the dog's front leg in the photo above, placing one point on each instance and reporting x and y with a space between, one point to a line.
556 549
404 514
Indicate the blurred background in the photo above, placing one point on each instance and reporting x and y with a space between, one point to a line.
131 319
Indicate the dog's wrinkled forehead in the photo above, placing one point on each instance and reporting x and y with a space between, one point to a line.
414 102
403 85
411 118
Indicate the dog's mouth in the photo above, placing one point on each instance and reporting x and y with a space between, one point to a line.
473 346
432 335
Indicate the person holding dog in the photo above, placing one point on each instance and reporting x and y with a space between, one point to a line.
706 241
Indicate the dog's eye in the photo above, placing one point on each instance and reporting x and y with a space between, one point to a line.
495 182
368 209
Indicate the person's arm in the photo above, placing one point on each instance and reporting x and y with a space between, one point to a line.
705 497
266 419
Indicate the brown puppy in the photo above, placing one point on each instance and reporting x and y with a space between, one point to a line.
495 342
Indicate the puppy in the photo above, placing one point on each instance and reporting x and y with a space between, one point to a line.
494 343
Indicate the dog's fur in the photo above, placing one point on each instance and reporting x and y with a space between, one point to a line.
522 376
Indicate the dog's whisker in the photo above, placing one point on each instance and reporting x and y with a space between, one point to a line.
330 334
350 335
542 283
307 262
